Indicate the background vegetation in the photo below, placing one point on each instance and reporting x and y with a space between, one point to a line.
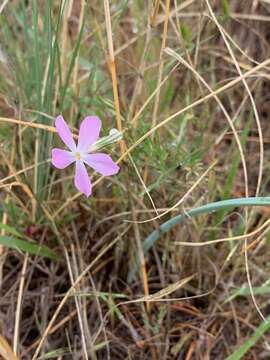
188 84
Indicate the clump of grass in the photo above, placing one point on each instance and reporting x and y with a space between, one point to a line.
187 84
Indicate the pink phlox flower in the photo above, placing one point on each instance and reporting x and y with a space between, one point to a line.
80 153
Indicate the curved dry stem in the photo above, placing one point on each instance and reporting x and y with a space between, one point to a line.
231 124
260 141
186 195
249 93
161 65
228 239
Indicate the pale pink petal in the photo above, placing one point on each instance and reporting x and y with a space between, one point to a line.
101 163
64 132
82 180
62 158
88 133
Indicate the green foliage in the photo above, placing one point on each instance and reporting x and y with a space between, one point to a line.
186 32
38 87
168 225
225 7
26 246
258 333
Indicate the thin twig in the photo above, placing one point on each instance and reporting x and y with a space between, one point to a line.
19 307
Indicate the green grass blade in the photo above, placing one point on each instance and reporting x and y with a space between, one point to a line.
71 66
26 246
208 208
239 353
10 230
245 291
52 45
37 65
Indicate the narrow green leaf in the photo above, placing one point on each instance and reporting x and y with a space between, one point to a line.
225 7
208 208
186 33
71 65
55 354
27 246
261 290
239 353
10 230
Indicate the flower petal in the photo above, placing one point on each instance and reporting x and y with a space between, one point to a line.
65 133
82 180
62 158
89 132
101 163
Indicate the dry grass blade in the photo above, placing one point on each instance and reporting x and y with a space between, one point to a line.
193 105
256 115
112 68
141 256
231 124
107 276
78 305
4 3
170 118
261 155
184 197
76 84
5 350
71 289
155 13
162 293
19 306
22 171
161 65
232 238
29 124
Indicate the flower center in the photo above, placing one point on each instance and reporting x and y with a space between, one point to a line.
78 156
